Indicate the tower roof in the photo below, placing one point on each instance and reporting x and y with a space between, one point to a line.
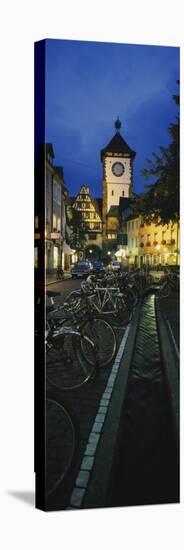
117 143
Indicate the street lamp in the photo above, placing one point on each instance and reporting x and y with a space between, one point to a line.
90 251
108 252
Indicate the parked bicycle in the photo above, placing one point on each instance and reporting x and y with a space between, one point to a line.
66 350
62 441
75 328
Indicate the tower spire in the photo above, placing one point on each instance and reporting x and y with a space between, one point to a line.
117 124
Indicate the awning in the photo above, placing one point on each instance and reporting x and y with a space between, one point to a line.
67 250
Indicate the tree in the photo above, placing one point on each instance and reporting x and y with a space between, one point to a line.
78 230
161 202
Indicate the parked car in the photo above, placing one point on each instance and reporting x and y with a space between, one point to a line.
98 266
116 266
81 269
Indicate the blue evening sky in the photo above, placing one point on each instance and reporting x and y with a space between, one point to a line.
87 85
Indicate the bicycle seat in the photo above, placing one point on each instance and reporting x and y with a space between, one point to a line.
53 293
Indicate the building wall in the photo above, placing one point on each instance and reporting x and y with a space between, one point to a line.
91 216
117 186
94 239
152 244
54 219
133 228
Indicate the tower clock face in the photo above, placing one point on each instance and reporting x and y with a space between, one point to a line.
118 168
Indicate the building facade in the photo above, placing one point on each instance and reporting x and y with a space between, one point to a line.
111 227
90 210
58 253
117 162
151 244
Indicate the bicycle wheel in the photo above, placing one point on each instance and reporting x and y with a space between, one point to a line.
132 297
67 368
62 438
121 305
103 336
74 298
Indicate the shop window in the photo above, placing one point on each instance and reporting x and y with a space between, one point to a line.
55 257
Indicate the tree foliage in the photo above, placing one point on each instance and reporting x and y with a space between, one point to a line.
77 230
160 203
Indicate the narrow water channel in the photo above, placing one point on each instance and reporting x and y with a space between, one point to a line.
146 470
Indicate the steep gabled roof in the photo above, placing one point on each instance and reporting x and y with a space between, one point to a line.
125 202
49 149
97 203
117 145
126 206
113 212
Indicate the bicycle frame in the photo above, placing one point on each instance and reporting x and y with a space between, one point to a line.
106 295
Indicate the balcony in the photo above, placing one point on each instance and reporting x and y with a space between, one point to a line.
148 243
141 245
163 241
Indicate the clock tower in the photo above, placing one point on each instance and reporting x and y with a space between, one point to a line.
117 159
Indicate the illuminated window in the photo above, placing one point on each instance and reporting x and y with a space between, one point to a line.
54 221
36 222
55 256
